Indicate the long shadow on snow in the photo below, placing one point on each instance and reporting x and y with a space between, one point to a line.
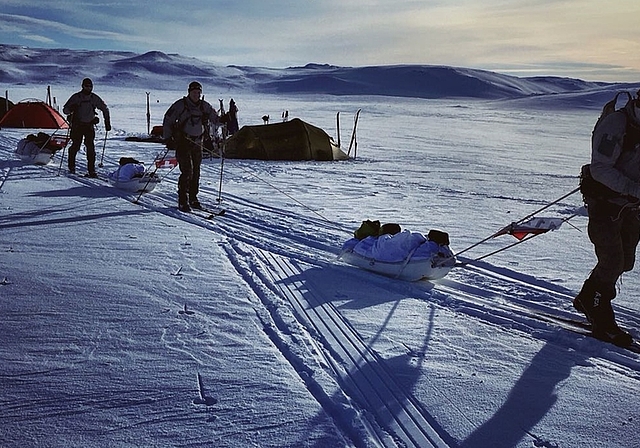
75 219
531 397
83 191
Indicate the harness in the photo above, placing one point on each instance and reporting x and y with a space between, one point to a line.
180 122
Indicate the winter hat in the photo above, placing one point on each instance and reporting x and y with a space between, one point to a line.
195 85
87 82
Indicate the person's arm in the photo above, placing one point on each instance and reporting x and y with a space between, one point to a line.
71 105
105 114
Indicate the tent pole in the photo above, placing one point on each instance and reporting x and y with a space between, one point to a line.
353 134
148 115
338 127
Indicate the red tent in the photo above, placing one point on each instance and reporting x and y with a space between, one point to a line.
33 114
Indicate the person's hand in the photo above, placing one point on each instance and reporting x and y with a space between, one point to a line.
107 126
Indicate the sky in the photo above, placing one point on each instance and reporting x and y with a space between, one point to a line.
569 38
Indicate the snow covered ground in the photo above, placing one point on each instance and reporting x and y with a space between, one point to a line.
129 325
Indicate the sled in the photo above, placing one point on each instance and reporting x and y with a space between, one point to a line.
143 184
414 270
403 255
40 149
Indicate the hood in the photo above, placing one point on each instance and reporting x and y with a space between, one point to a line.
632 109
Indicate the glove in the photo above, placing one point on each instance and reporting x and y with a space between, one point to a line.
170 143
107 126
95 120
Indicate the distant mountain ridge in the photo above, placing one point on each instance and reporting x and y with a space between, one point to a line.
156 69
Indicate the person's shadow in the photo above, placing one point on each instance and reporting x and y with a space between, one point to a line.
531 397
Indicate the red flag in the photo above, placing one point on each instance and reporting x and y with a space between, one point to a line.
168 161
534 226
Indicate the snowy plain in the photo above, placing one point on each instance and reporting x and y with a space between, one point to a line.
132 324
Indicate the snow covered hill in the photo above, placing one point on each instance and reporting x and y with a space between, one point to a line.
159 70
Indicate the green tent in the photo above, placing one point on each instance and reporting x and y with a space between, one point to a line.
289 140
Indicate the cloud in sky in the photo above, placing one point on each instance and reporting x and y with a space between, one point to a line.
576 38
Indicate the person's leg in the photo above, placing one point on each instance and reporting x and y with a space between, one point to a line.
76 141
597 292
194 184
185 164
89 137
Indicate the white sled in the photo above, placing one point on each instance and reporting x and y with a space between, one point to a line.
40 149
133 177
419 269
42 157
143 184
405 255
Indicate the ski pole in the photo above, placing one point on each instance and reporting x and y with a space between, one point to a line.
63 149
224 140
104 145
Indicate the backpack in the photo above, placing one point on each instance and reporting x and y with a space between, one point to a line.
367 228
438 237
178 126
610 107
126 160
590 187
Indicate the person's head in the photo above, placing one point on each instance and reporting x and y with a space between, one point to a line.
87 85
195 90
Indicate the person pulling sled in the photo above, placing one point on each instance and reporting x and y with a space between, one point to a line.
610 185
81 108
186 123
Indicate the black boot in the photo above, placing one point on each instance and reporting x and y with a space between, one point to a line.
183 204
594 300
194 203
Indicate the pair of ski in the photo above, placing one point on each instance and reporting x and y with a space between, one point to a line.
578 326
207 213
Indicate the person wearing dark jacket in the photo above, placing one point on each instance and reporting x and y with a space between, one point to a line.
184 127
81 108
613 206
232 123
